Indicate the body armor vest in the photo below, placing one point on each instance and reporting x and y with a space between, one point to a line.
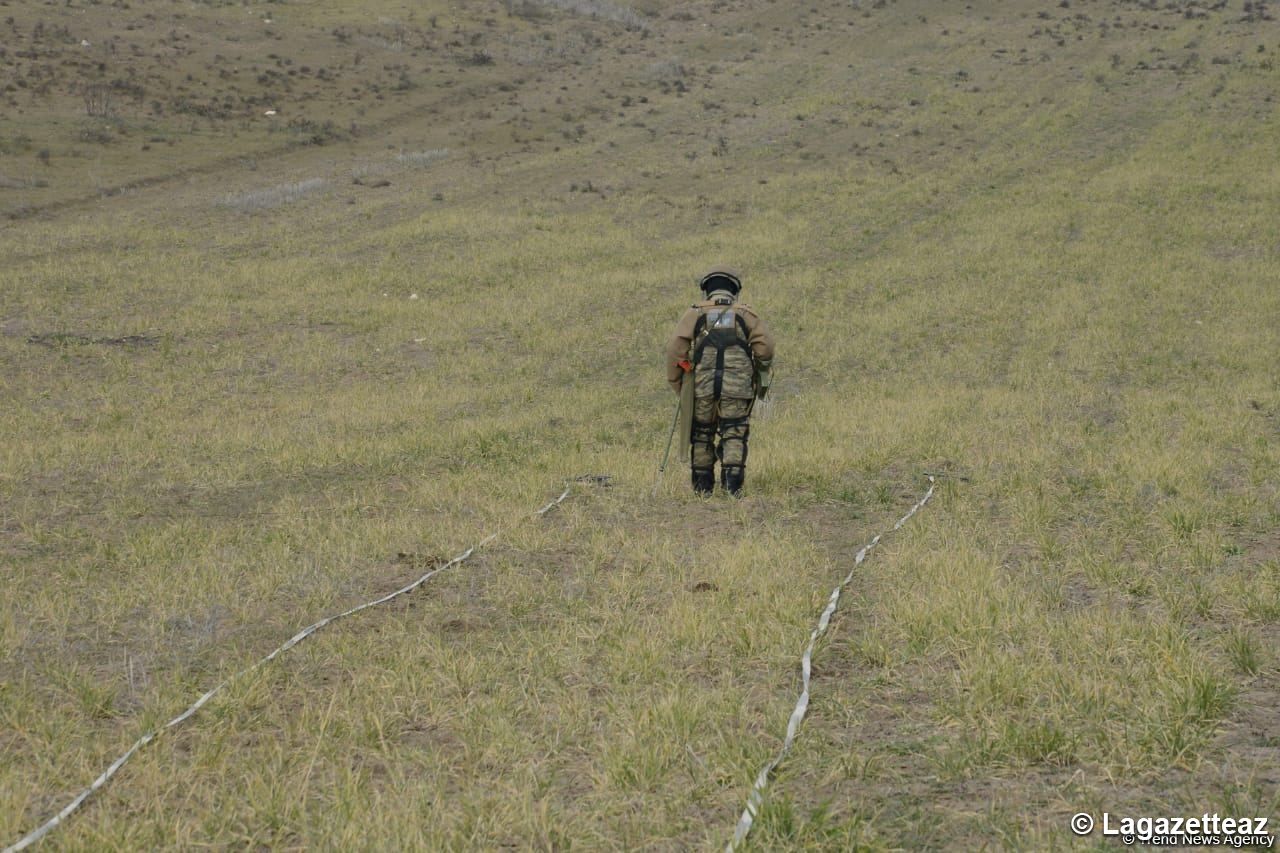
722 360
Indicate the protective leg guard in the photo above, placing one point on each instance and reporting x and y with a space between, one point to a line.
734 435
704 480
702 450
731 479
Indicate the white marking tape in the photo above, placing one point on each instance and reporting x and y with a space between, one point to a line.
53 822
756 798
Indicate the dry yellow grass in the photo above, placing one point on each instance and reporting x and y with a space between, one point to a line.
1049 271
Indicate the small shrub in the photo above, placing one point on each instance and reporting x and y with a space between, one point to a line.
97 100
308 132
18 144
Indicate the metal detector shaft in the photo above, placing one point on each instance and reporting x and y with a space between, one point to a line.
662 469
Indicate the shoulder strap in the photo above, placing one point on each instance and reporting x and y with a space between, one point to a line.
700 324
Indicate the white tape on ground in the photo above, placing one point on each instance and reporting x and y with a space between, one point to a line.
756 798
53 822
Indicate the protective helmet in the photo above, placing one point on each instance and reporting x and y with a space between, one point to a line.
721 278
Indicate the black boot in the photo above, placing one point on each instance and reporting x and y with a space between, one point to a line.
704 480
731 477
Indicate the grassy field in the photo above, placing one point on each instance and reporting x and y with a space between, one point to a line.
257 369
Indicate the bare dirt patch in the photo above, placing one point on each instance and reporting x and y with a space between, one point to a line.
67 339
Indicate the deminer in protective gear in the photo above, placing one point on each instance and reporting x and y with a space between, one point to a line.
722 348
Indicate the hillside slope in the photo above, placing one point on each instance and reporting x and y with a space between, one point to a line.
258 369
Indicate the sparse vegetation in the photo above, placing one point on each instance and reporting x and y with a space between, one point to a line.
1052 274
97 101
603 9
265 199
422 158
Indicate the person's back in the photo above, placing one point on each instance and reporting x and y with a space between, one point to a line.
729 351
